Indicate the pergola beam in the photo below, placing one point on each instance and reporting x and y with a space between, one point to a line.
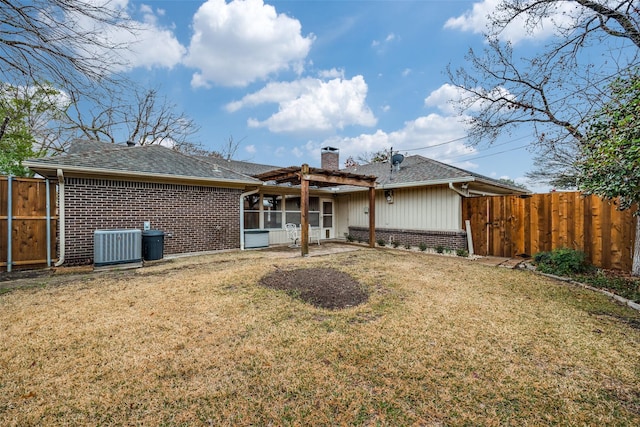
337 180
306 176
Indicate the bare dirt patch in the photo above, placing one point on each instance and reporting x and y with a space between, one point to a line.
320 287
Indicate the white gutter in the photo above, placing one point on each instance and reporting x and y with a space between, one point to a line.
61 217
445 181
242 196
485 193
463 193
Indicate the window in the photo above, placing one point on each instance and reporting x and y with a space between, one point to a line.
267 211
272 211
252 211
293 215
327 214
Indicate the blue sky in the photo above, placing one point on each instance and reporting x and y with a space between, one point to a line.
290 77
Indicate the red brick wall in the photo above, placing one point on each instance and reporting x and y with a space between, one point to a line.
330 159
448 239
193 218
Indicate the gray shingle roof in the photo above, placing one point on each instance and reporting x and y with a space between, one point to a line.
150 159
417 169
412 169
112 159
246 168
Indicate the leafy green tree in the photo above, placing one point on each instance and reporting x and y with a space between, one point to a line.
609 162
25 117
16 144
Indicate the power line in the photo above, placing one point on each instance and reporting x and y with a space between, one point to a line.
492 154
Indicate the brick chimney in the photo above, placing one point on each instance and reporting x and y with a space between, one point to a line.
330 158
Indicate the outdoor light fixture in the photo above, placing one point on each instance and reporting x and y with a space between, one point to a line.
388 194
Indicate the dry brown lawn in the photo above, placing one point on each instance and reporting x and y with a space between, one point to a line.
197 341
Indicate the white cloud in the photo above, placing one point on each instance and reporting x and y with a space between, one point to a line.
312 105
406 72
477 21
331 74
251 149
155 47
381 44
240 42
434 136
147 43
448 98
444 97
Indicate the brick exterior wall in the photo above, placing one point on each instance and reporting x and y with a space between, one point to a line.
194 218
449 239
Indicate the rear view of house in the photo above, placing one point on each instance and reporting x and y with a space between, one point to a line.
208 204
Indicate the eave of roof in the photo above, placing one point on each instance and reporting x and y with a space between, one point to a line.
50 171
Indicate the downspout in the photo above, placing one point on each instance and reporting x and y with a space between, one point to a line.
61 217
48 214
242 196
9 222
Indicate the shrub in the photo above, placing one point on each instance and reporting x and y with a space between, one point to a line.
422 246
440 249
407 246
624 286
562 262
381 242
395 244
462 252
350 238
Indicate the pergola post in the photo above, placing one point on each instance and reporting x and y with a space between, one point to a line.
305 176
372 217
304 210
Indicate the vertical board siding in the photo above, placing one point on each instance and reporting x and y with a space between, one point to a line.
29 221
543 222
412 208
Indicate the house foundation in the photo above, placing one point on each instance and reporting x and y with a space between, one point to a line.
448 239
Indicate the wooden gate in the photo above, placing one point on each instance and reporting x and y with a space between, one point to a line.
515 225
25 219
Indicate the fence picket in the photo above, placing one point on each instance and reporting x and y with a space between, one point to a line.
28 222
542 222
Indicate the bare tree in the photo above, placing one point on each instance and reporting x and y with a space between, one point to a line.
374 156
62 42
556 91
145 119
229 149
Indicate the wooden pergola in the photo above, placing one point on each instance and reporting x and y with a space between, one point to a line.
306 176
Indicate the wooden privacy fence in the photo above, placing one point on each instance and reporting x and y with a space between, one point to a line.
514 225
25 219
